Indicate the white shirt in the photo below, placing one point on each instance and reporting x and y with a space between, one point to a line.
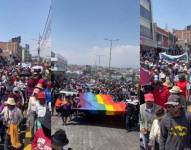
31 105
40 110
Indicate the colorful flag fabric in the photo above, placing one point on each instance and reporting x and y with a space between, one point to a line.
101 103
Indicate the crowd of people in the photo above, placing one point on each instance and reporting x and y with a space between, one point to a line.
26 102
165 120
120 90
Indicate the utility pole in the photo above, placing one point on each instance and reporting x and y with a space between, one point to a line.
99 57
111 44
39 41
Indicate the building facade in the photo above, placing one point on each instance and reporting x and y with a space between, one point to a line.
184 37
147 33
11 51
58 63
26 56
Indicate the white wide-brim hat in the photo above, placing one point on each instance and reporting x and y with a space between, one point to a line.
10 101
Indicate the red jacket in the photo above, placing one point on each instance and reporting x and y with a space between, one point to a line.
183 86
40 141
161 96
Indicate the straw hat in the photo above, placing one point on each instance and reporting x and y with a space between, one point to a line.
39 85
173 100
10 101
175 90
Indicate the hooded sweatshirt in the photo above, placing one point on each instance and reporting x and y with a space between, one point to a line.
175 132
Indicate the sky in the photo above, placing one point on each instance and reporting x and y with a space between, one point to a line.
25 18
80 26
174 14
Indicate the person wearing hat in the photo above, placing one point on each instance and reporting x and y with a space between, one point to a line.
154 136
147 113
161 93
42 138
39 86
59 140
29 89
31 112
13 118
182 84
177 91
175 126
40 109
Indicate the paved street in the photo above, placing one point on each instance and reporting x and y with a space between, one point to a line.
97 133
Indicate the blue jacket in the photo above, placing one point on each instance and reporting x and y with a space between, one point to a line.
48 94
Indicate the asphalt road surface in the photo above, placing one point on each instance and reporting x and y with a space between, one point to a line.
97 133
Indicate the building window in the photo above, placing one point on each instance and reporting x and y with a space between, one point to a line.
146 32
145 13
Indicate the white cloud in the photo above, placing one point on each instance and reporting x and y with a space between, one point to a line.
122 56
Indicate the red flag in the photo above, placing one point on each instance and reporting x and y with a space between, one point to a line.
145 76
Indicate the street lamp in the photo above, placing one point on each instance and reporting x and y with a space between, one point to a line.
111 42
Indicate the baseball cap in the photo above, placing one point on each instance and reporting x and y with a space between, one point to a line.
149 97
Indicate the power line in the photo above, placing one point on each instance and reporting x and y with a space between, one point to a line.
47 20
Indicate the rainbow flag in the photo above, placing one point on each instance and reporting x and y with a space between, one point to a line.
101 103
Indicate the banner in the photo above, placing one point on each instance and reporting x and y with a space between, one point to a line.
170 58
101 103
145 76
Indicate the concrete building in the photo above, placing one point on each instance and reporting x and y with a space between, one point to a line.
147 33
162 38
26 56
166 41
184 37
58 63
12 51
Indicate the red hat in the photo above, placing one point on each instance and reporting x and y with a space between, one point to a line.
42 81
149 97
41 96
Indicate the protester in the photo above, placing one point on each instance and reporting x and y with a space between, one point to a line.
175 126
154 136
60 140
31 112
13 118
147 113
42 137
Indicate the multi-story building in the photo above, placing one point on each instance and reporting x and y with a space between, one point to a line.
12 51
147 33
184 37
162 38
166 41
58 63
26 56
